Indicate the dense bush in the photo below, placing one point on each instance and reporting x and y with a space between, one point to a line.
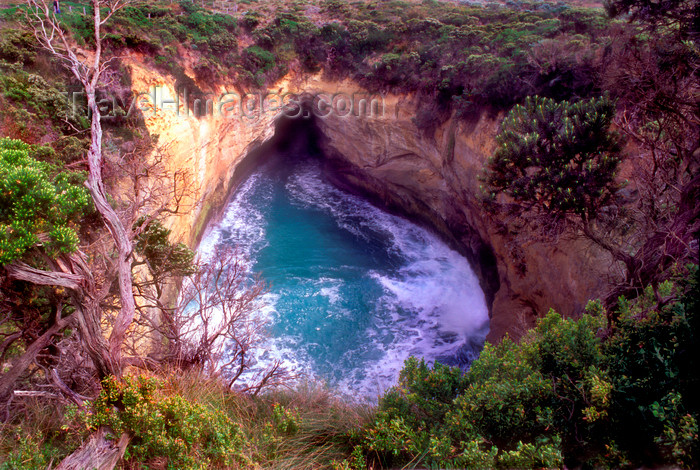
571 391
578 392
31 105
162 256
652 357
166 425
37 204
257 64
557 158
17 46
420 47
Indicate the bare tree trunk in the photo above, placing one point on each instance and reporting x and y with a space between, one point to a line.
99 453
88 318
116 229
96 186
668 245
24 272
51 35
84 297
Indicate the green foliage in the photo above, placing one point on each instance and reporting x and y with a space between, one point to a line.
679 15
37 205
653 357
162 256
355 462
17 46
506 399
36 438
256 64
557 158
566 393
545 455
30 452
82 29
258 59
251 20
37 99
345 39
186 434
423 394
285 421
571 392
27 455
187 421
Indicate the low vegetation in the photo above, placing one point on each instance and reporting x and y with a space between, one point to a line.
571 392
188 421
463 58
615 387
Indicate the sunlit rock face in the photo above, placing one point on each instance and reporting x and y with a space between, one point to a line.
379 152
434 178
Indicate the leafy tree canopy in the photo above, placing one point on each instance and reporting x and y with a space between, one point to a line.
163 257
557 157
37 205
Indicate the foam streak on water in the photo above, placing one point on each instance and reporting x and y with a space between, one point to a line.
354 290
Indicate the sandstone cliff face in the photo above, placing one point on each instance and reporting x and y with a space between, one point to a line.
210 152
433 179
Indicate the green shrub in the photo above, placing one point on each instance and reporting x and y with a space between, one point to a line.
285 421
570 392
544 455
166 425
251 20
507 398
557 158
424 394
17 46
82 29
258 65
28 454
652 356
36 202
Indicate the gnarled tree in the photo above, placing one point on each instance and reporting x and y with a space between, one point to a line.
89 71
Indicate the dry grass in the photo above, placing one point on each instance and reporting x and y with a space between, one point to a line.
33 438
325 430
326 422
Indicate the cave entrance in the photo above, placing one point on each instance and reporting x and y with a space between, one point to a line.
354 290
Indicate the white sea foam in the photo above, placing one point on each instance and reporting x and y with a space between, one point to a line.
431 306
243 221
332 291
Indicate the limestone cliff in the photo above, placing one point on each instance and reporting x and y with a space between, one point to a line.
432 178
435 178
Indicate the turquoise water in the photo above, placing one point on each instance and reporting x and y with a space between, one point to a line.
353 290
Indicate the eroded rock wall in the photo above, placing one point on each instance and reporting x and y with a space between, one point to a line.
432 178
211 152
435 178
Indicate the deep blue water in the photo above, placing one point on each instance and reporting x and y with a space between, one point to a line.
353 290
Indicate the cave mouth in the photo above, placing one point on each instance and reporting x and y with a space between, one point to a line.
354 290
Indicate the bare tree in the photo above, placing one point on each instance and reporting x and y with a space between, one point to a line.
214 325
88 71
86 279
210 325
73 274
658 113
